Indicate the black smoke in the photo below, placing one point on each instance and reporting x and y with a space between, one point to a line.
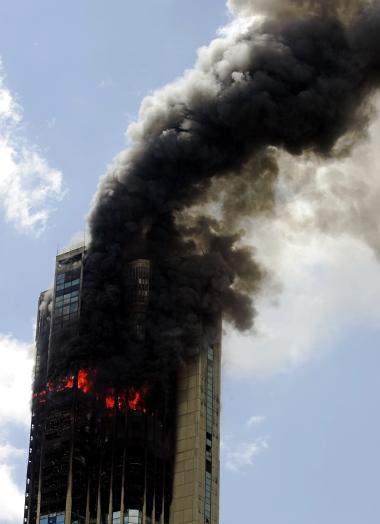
298 83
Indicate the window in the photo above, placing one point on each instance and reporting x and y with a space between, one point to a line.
66 302
133 516
209 422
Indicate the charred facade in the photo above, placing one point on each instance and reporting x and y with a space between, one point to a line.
123 452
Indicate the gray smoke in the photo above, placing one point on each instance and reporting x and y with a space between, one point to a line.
297 83
343 9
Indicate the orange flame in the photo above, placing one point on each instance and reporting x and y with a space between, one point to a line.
130 398
135 401
84 381
110 402
69 383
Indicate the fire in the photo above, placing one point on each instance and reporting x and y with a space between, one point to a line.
135 400
69 383
41 396
128 399
84 381
110 402
131 399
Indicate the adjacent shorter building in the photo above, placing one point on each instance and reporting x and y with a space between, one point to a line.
125 455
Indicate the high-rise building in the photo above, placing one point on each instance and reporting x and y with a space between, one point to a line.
125 453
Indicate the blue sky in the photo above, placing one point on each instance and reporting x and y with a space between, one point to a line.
300 427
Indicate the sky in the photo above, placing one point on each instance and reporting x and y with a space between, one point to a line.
300 425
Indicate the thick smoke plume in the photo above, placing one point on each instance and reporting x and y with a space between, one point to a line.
300 80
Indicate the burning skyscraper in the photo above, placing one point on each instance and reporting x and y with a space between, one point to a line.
125 411
119 448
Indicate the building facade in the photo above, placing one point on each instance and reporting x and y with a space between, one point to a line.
123 454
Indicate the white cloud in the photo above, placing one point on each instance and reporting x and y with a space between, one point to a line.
15 393
28 185
8 451
255 420
15 381
328 286
11 496
245 453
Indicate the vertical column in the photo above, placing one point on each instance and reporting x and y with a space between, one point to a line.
122 494
39 492
196 476
98 503
215 486
87 518
69 495
187 505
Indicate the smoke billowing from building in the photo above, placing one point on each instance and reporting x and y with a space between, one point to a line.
297 83
117 421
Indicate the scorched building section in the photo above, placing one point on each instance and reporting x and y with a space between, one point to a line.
126 452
